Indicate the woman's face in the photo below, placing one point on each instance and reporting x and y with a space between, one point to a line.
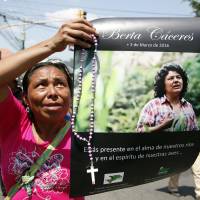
173 83
48 94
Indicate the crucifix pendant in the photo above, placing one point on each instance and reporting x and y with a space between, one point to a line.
92 170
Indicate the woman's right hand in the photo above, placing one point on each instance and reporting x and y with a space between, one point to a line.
76 32
167 122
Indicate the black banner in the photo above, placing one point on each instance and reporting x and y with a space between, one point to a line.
127 158
149 34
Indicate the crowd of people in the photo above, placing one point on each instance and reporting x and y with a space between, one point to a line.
30 125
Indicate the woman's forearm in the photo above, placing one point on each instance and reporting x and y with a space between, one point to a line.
164 125
18 63
77 32
155 128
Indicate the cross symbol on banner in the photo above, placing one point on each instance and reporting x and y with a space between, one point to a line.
92 170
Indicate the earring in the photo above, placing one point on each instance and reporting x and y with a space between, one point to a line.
27 109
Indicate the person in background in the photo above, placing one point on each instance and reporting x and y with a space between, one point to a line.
169 111
196 175
26 132
4 53
14 85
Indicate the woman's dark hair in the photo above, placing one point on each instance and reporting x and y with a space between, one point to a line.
56 63
159 85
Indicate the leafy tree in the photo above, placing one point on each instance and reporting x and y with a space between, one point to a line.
137 90
192 67
195 6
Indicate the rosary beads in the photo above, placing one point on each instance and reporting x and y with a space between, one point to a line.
88 140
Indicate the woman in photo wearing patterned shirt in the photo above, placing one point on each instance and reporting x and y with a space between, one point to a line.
169 111
168 106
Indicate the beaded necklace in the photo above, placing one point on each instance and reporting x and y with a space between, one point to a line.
88 140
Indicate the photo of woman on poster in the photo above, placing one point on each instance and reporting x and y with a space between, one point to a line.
169 110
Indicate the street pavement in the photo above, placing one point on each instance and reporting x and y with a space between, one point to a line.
152 191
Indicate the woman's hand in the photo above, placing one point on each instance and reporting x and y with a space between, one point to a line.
77 32
167 122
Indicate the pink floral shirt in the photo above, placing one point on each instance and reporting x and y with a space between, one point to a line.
19 151
156 110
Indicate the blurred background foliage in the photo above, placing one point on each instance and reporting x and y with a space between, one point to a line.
195 4
125 84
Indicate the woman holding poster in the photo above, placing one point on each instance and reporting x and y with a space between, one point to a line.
169 111
35 140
